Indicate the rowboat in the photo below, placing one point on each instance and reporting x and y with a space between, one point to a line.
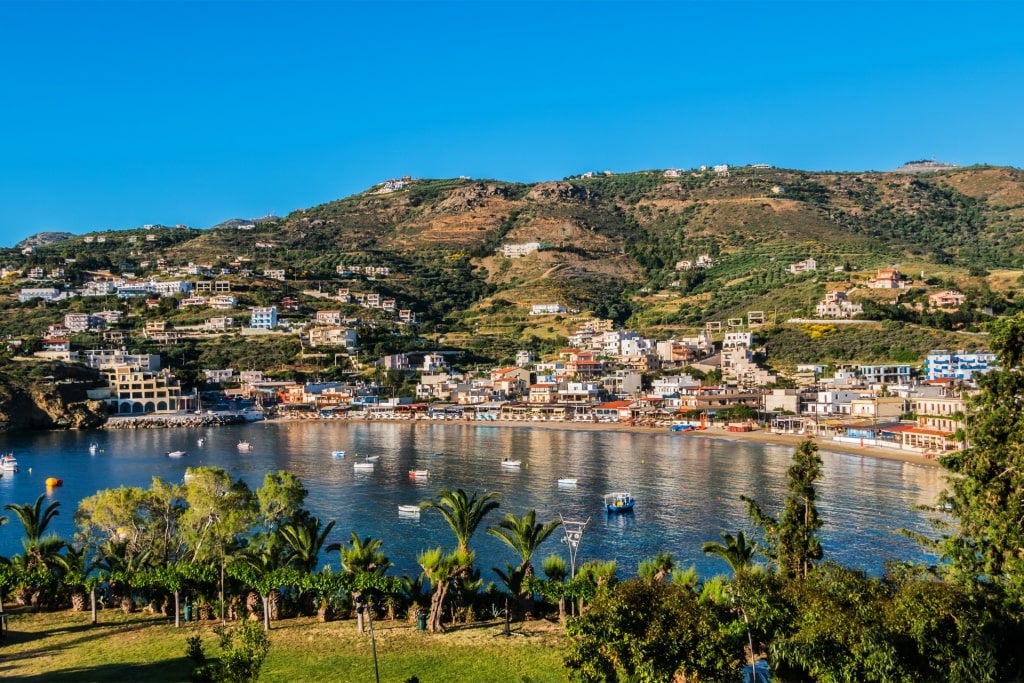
618 502
568 481
176 454
244 446
363 466
338 454
409 510
372 458
511 463
419 474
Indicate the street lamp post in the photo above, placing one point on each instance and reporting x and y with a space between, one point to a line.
367 607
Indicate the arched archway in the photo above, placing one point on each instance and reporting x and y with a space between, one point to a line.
137 408
161 405
125 407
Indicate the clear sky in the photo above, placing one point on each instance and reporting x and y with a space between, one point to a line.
117 114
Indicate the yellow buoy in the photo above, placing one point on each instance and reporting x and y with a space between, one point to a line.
54 481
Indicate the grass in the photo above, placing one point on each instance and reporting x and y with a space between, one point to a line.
63 647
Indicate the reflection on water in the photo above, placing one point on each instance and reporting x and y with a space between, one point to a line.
687 487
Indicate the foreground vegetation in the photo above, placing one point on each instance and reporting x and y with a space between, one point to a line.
64 648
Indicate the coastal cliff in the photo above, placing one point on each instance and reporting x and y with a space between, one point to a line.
43 396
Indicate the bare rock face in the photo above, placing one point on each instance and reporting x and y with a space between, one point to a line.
50 407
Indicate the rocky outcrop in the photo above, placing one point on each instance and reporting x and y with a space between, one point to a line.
62 406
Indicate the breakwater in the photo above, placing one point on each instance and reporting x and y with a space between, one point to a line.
163 421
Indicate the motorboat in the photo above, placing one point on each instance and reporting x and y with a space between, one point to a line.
438 452
176 454
618 502
511 463
244 446
201 441
363 466
419 474
94 448
372 458
8 462
338 454
409 510
568 481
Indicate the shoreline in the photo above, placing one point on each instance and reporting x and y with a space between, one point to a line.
758 436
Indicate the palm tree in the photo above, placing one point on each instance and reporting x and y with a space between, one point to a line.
304 540
33 517
556 569
524 535
41 553
462 512
658 568
736 551
362 555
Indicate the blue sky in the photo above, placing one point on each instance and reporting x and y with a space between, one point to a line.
124 113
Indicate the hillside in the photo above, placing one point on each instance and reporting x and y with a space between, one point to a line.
612 246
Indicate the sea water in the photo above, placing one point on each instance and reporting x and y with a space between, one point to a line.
687 487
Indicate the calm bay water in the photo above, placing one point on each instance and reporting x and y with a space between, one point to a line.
687 487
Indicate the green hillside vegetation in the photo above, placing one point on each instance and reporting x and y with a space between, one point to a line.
610 249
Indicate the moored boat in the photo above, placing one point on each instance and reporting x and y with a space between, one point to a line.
419 474
511 463
409 510
372 458
338 454
8 462
363 466
176 454
619 501
568 481
201 441
244 446
94 447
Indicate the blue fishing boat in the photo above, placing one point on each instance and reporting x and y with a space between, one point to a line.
618 502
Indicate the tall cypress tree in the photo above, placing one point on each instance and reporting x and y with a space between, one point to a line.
987 498
792 540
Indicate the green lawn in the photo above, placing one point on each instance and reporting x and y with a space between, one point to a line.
63 647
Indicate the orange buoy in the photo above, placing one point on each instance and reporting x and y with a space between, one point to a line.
54 481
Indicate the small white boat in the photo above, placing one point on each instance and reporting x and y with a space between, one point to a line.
410 510
176 454
94 448
511 463
201 441
372 458
363 466
439 453
8 462
244 446
419 474
338 454
568 481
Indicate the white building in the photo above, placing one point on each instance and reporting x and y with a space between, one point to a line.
960 365
263 317
547 309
